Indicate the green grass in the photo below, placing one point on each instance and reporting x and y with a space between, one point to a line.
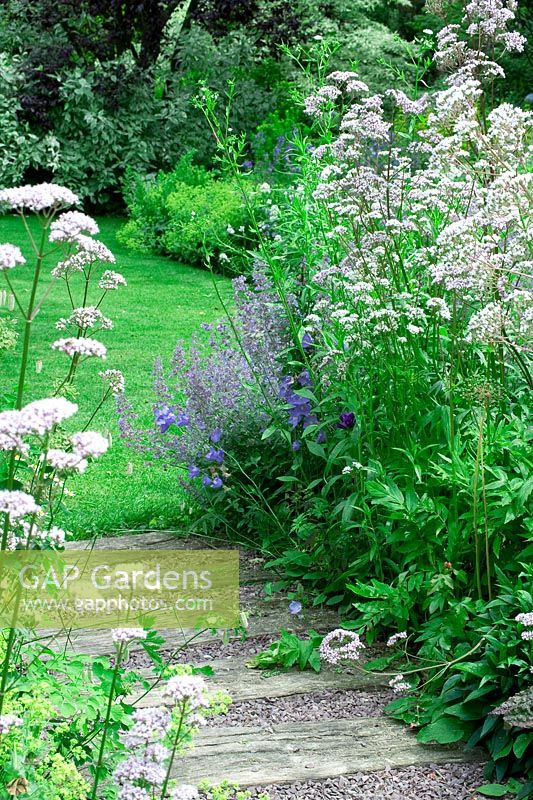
163 302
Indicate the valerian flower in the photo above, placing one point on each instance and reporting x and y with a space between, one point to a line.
10 256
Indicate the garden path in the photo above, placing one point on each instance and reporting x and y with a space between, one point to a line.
288 730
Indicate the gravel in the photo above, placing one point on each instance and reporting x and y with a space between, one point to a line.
206 651
310 707
434 782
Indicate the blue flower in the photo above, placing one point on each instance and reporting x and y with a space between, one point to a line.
206 480
304 379
215 455
217 482
295 607
216 436
296 445
164 418
307 341
321 437
194 472
346 420
183 419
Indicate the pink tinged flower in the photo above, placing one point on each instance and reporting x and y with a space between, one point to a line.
89 444
38 198
111 280
8 722
69 225
10 256
126 635
66 462
341 645
151 726
17 504
41 416
527 636
186 688
84 347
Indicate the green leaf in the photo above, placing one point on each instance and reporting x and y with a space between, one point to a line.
442 731
492 790
521 744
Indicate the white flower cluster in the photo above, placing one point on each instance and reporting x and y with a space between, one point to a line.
85 318
24 535
83 347
126 635
111 280
38 198
68 226
396 637
184 792
87 444
188 689
36 418
340 645
114 379
10 256
526 619
399 685
17 504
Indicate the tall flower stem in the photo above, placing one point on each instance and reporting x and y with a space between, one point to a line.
173 751
110 701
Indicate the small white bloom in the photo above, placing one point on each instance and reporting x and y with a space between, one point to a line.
89 444
10 256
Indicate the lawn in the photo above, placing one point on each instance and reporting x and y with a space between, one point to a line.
164 301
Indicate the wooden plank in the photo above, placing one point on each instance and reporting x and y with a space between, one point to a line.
251 570
263 620
232 676
304 751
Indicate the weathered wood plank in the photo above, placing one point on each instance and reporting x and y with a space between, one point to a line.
241 683
251 570
307 751
263 620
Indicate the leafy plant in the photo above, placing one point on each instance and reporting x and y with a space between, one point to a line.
290 651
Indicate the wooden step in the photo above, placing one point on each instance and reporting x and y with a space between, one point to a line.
241 683
304 751
263 620
251 568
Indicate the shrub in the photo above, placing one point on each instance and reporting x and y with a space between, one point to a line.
188 214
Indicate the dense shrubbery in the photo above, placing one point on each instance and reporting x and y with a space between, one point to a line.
187 214
91 88
401 267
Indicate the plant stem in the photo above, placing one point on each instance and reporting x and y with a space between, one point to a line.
110 701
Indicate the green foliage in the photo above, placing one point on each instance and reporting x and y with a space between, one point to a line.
290 651
491 662
187 214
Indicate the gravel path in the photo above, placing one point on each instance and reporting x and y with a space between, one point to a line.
329 704
448 782
206 651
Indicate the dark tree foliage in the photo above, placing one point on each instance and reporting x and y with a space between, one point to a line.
274 22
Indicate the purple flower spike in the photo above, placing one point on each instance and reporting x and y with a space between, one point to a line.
295 607
164 418
194 472
215 455
346 420
206 480
217 483
296 445
216 436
